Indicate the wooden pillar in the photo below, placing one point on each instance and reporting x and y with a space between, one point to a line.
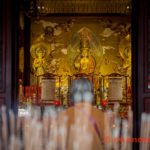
26 51
8 89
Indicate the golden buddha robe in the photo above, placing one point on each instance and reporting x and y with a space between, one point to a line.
39 66
85 64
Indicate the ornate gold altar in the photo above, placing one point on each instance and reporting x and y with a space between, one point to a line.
71 47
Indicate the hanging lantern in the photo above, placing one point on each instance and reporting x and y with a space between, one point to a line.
104 103
57 103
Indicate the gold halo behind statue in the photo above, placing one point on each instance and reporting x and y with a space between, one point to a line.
40 51
40 47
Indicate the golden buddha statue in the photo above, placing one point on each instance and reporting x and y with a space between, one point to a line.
39 52
84 62
39 63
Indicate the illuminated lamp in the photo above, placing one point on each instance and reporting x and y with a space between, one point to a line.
56 103
104 103
129 90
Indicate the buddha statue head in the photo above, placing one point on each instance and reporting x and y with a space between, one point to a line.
40 52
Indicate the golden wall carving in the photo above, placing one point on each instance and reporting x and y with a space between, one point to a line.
83 6
103 50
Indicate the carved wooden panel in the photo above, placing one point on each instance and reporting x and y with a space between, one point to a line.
1 50
148 43
147 105
2 101
48 7
146 47
2 57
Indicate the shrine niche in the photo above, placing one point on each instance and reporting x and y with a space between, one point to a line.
39 52
73 47
67 45
85 52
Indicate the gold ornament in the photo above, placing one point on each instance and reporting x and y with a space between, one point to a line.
84 62
39 52
41 47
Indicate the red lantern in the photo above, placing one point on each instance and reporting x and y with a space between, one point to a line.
104 103
56 103
129 89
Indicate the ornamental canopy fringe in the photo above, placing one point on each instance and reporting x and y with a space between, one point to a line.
49 7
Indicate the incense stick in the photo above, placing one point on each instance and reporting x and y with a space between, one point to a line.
124 134
143 129
107 131
130 127
4 128
116 134
12 122
51 133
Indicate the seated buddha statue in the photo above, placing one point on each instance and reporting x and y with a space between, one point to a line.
84 62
